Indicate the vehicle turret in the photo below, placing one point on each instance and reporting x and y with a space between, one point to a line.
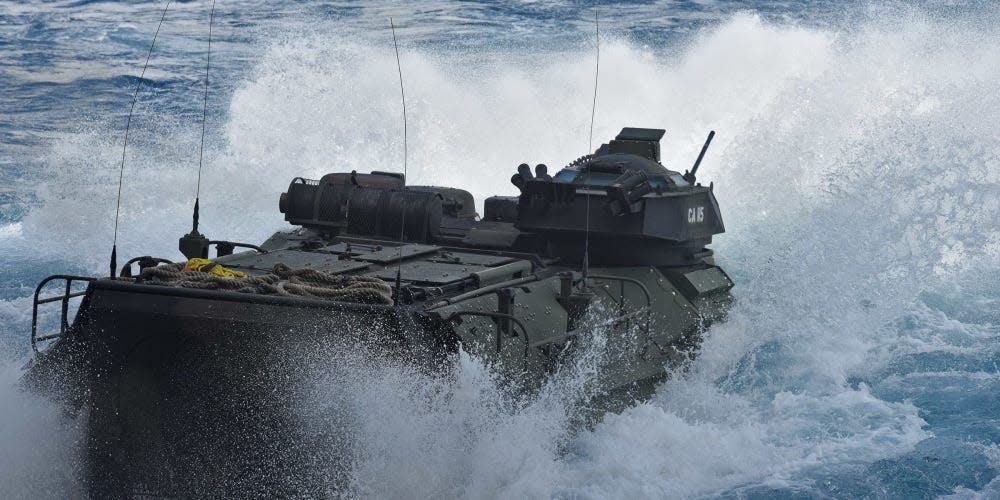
635 210
620 203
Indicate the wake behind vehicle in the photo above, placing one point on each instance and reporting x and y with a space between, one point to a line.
187 373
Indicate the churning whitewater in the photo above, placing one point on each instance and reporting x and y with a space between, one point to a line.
856 159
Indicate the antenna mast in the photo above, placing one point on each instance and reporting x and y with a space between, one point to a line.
128 125
597 71
590 146
402 222
195 244
204 120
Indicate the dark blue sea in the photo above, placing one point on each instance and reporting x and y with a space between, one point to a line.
857 164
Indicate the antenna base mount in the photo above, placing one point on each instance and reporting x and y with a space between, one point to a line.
194 245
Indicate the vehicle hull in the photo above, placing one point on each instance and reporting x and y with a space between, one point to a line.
194 393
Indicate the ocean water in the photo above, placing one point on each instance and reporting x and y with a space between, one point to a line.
857 165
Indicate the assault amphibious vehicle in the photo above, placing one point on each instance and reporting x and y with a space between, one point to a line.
184 373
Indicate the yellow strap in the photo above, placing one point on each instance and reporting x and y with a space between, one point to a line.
207 266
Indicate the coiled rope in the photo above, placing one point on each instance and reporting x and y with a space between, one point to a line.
282 280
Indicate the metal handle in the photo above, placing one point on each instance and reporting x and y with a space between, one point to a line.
495 315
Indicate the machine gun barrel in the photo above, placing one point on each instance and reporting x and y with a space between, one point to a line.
694 170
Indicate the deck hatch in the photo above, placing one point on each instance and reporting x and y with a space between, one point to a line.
392 254
430 273
475 259
294 259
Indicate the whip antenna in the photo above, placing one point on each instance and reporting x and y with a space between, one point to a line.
204 119
590 146
402 222
128 124
597 72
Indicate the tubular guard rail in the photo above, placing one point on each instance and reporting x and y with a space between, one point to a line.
496 316
68 294
621 302
611 322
